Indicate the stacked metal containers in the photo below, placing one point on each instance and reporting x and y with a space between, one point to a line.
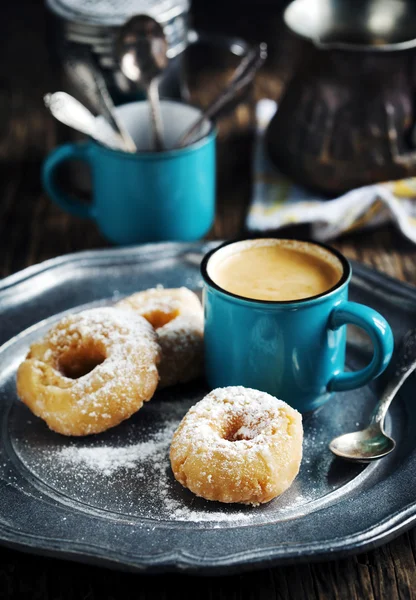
93 24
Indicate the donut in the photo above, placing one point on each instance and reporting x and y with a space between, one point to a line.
91 371
177 316
238 445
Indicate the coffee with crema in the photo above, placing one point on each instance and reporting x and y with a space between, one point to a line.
272 269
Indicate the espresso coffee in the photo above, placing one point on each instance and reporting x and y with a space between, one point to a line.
279 270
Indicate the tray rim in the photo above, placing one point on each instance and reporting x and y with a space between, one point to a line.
176 560
84 255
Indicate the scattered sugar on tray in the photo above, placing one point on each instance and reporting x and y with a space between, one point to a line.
182 512
108 459
148 462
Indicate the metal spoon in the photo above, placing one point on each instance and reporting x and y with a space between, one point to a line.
373 443
141 48
68 110
243 75
85 74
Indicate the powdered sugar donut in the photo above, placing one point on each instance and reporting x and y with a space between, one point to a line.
238 445
91 371
177 316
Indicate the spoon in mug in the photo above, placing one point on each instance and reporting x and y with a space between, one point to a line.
373 443
68 110
242 76
88 78
141 49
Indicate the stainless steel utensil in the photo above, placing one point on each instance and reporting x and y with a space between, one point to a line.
243 75
68 110
374 26
373 443
86 75
141 48
355 60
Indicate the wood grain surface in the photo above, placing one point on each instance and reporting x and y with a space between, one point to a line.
32 230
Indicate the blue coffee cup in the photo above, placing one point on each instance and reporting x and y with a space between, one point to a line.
294 350
146 196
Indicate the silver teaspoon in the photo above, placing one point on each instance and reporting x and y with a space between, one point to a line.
88 78
141 49
68 110
373 443
242 76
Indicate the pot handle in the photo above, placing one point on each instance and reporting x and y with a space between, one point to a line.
406 160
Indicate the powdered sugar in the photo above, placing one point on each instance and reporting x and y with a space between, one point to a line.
248 441
118 334
249 415
98 361
143 487
182 345
160 305
177 316
108 459
146 461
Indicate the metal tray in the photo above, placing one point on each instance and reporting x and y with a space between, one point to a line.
139 518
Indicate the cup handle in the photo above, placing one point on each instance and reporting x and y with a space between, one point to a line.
380 334
78 151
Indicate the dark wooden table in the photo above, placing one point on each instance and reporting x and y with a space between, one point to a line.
32 230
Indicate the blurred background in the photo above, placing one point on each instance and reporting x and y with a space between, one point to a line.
36 36
34 42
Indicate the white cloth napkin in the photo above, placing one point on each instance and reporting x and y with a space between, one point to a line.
277 201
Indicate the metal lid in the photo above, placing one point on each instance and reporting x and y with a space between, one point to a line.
116 12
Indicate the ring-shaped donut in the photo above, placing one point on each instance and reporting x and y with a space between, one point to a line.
238 445
91 371
177 316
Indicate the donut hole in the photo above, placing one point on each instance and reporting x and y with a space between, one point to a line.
80 361
159 318
237 429
242 427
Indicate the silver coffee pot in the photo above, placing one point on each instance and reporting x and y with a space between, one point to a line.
348 114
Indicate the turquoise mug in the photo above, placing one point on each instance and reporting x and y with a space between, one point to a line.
294 350
146 196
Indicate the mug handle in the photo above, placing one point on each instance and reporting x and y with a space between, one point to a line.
380 334
77 151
